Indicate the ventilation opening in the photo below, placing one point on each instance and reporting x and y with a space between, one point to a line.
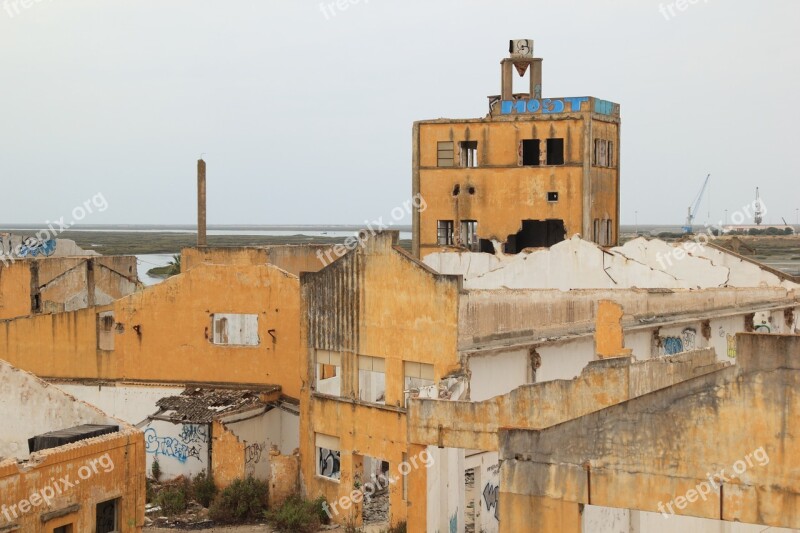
552 197
530 153
555 151
536 234
456 190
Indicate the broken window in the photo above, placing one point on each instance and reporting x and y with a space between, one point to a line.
529 148
328 456
469 235
555 151
328 372
552 197
418 380
106 518
444 232
469 153
235 329
444 154
105 330
603 153
371 379
536 234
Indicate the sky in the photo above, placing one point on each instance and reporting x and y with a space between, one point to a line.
303 110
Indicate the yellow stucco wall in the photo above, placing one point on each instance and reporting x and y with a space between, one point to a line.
119 472
227 456
164 333
15 289
402 311
499 193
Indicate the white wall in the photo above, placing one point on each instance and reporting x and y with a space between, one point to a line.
487 490
446 490
607 520
181 449
259 433
131 403
30 407
565 361
493 375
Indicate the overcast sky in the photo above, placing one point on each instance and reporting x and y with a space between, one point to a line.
304 112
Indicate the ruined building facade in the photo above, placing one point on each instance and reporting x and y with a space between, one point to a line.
531 173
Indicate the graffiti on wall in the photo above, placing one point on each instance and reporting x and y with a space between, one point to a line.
675 344
187 445
194 433
454 522
491 495
329 463
253 452
731 346
33 246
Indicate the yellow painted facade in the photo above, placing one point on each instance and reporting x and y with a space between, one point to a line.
553 162
105 468
375 301
165 333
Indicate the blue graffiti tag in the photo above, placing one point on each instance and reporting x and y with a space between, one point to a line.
33 247
454 522
169 447
673 345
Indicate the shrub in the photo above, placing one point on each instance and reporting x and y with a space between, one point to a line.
243 500
298 515
399 528
155 469
203 489
150 493
173 498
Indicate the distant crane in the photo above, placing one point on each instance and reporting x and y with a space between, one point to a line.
688 229
758 217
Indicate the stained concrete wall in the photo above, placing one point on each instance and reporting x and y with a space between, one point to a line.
35 408
291 258
476 425
375 301
656 448
129 402
164 333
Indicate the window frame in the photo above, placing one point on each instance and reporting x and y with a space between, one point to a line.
447 226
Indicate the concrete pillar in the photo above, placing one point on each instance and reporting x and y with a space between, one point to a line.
201 202
507 79
536 79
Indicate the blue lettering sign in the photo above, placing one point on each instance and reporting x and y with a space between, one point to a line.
570 104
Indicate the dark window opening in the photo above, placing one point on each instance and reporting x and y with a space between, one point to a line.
555 151
469 235
444 155
469 153
106 517
536 234
487 246
530 153
552 197
596 231
444 232
63 529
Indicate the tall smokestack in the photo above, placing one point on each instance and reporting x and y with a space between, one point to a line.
201 202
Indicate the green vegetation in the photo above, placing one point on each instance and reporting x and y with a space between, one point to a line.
155 469
174 497
298 515
170 269
203 489
242 501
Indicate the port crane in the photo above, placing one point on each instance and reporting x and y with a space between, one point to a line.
688 229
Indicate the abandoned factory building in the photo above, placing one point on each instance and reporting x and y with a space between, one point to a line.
519 370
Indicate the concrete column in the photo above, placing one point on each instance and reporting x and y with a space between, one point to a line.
201 202
536 79
507 80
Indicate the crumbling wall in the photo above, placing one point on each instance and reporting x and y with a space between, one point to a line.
284 477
